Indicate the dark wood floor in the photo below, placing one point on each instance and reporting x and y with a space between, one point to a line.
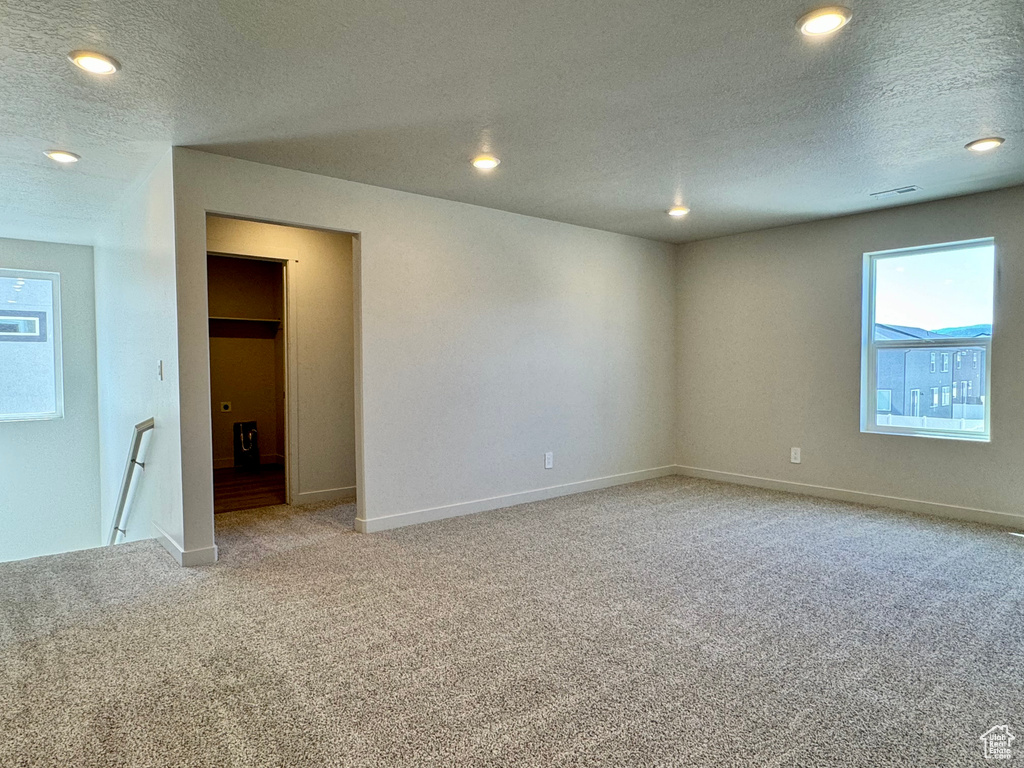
245 488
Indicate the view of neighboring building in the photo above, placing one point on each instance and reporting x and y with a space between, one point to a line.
929 387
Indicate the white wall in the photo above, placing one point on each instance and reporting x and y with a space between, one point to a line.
321 348
769 329
49 489
136 328
486 339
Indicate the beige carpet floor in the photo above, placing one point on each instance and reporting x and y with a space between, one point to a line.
673 622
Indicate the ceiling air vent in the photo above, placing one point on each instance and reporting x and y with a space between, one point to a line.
896 192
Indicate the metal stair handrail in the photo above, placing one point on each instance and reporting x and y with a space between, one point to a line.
119 523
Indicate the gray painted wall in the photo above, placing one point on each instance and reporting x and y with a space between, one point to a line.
49 470
769 330
487 339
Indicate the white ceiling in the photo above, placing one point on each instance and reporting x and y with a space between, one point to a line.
603 113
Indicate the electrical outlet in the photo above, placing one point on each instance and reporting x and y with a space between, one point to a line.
794 455
549 460
225 407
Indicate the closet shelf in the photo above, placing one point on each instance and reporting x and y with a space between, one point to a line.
248 319
245 327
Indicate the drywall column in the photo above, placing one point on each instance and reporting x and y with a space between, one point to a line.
137 345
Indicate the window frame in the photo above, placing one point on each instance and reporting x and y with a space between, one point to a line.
870 346
56 334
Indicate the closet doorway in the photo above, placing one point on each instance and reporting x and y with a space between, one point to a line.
283 318
247 382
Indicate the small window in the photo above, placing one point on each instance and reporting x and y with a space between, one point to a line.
31 379
884 400
23 326
923 307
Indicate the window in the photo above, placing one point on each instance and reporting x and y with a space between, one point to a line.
26 326
884 400
31 379
922 308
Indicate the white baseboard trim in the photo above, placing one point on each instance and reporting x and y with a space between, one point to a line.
969 514
330 494
185 558
402 519
264 459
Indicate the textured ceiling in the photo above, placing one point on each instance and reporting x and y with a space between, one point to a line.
603 113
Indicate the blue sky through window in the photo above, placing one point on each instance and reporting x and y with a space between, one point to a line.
936 289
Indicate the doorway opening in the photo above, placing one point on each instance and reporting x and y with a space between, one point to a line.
282 365
247 382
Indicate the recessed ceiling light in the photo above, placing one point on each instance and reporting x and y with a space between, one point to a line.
60 156
985 145
824 21
94 62
486 162
678 211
